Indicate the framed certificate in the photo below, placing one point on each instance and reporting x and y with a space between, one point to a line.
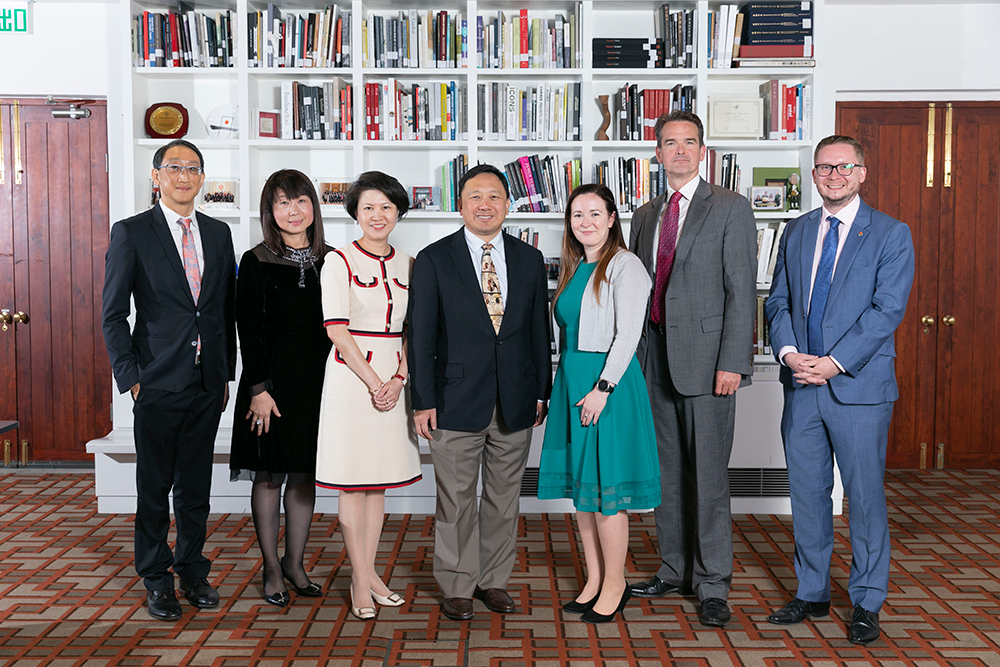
730 118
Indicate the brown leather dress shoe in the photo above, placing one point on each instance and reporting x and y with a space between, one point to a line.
457 609
496 600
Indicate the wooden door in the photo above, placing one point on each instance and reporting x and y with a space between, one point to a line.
58 229
8 356
946 391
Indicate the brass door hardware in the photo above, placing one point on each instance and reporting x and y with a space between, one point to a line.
947 145
16 123
5 319
928 322
923 455
24 453
930 144
939 462
6 453
20 318
3 167
948 320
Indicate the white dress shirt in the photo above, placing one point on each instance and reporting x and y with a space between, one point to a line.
687 192
846 216
496 254
177 233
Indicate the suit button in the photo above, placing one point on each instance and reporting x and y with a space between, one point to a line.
194 343
197 313
493 371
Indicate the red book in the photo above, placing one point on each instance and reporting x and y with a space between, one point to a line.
349 114
340 41
525 49
775 51
529 182
369 117
175 39
145 38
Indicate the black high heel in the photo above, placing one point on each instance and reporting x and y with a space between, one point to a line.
311 591
593 617
574 607
280 599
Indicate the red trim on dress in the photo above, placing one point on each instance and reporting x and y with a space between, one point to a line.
377 334
374 282
401 285
388 298
392 251
336 320
340 359
368 487
350 274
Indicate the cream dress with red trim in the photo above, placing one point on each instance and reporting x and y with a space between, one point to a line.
360 447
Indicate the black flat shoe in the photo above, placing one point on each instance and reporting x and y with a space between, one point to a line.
715 612
657 588
864 626
310 591
574 607
163 605
591 616
798 610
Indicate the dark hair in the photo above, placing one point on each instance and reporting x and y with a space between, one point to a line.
483 169
859 150
293 184
384 183
162 150
680 116
573 251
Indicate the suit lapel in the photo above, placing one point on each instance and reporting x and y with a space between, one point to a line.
806 252
162 233
696 214
210 249
515 292
647 236
856 237
469 274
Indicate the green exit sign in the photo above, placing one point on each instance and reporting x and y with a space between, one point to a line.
14 17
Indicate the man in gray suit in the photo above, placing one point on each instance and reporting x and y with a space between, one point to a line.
698 242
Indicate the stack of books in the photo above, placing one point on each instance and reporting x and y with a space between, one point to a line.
316 112
677 32
415 38
776 29
787 110
633 181
395 111
182 39
635 111
313 39
723 170
540 184
628 52
451 173
522 42
517 112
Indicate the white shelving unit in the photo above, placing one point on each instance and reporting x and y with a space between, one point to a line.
250 160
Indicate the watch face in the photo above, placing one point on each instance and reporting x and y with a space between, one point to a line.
166 120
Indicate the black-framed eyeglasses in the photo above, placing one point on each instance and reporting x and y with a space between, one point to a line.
176 169
843 169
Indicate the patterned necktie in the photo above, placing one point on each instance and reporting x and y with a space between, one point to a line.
821 288
190 257
665 253
491 288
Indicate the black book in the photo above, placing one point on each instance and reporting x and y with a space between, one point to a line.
688 58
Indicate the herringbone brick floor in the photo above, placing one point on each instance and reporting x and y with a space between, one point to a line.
70 598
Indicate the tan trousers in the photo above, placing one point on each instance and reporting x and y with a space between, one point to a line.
477 546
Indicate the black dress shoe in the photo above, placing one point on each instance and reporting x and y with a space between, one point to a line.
798 610
496 600
574 607
864 626
310 590
200 593
163 604
715 612
457 609
279 599
591 616
656 588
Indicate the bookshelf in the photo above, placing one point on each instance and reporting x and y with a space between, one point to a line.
248 159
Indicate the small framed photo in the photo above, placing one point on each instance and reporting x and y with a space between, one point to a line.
332 193
779 183
767 198
735 118
268 124
218 196
425 198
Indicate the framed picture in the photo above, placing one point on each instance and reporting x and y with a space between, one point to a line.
730 118
425 198
268 124
332 193
767 198
788 178
218 195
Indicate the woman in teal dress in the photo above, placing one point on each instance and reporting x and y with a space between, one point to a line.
600 447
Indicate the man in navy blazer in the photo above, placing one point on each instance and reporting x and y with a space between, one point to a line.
841 283
177 360
480 379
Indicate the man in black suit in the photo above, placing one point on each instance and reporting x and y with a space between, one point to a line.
481 375
177 360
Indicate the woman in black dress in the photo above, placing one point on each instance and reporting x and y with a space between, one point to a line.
284 347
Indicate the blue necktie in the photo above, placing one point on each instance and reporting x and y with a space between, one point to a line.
821 288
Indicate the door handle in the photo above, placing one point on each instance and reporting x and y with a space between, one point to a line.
5 319
948 320
927 321
19 317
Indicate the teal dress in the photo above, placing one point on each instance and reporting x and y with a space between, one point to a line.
612 465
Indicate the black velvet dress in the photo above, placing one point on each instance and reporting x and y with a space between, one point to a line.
284 347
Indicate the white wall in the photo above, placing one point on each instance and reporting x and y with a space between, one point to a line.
66 55
912 51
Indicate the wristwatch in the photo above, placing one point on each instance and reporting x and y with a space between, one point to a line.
605 386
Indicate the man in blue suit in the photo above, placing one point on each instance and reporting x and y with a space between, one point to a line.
840 288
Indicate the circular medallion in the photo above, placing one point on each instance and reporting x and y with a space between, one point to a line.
166 120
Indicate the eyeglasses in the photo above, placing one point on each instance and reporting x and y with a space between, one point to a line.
842 169
176 169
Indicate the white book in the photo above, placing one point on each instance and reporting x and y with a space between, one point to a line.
287 110
731 35
512 104
508 45
764 254
774 251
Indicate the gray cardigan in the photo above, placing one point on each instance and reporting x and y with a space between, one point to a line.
615 325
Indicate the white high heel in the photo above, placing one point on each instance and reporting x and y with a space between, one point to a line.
364 613
392 600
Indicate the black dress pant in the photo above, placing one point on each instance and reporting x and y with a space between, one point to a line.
174 443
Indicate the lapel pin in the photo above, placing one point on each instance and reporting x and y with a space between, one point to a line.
860 233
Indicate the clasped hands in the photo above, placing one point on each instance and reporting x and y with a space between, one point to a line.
386 395
810 369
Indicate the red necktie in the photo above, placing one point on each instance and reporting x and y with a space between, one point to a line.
665 253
